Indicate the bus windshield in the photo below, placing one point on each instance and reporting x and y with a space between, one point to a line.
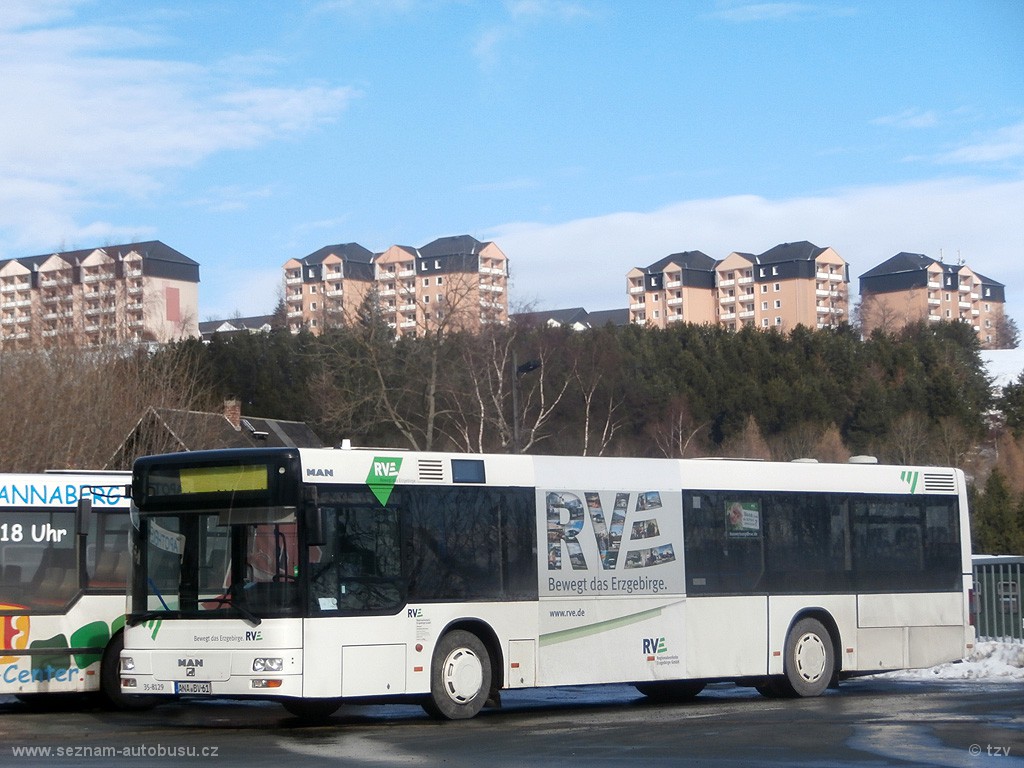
198 564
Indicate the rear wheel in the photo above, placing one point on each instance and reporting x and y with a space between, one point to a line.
460 677
809 659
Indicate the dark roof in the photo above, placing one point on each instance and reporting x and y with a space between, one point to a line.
158 259
344 251
448 246
901 262
235 324
561 317
160 430
574 315
988 280
800 251
686 259
602 317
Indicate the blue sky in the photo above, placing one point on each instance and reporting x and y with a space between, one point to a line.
584 138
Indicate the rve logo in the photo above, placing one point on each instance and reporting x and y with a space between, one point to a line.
653 645
415 613
382 476
251 635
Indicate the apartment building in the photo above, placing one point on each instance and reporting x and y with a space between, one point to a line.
676 289
455 282
130 293
913 287
788 285
327 287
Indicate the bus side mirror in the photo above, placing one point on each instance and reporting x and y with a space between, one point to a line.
313 519
82 514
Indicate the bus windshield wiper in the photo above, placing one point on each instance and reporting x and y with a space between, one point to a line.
229 600
134 619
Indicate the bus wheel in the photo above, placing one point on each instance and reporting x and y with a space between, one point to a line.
460 677
809 660
311 709
671 690
110 680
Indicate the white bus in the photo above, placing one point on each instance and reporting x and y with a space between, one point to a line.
64 563
319 576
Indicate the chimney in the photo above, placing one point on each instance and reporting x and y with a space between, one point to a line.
233 413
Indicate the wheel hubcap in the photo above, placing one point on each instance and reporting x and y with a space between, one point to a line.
810 657
463 675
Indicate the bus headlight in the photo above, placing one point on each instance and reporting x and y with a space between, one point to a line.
267 665
127 663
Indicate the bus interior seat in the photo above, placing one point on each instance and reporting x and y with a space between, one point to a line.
111 571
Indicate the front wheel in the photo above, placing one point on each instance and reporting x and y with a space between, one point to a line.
110 680
460 677
810 659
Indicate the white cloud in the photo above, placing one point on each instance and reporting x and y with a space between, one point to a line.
909 118
584 262
94 118
998 146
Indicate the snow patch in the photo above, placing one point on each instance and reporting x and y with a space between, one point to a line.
990 660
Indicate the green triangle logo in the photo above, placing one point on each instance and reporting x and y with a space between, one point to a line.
382 477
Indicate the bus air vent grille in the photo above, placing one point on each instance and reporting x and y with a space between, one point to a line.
431 471
939 483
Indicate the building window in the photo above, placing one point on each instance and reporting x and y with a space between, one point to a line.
312 289
764 322
426 299
948 313
426 282
440 281
312 306
778 287
947 297
778 320
656 314
764 288
764 305
778 304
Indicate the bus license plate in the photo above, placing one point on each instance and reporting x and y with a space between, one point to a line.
192 688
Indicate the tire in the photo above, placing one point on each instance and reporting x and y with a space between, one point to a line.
110 680
460 677
809 661
671 690
311 709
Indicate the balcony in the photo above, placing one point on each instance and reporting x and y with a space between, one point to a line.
745 280
726 283
727 316
633 289
674 302
727 300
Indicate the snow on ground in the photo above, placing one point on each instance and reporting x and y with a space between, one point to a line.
991 660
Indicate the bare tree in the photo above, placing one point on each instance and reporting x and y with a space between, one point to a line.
675 430
72 408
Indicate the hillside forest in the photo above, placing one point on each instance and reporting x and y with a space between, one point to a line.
920 396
